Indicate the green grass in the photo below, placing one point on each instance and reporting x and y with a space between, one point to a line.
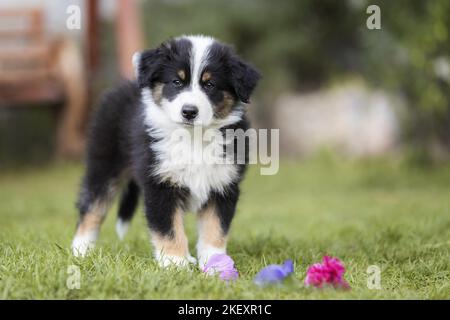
365 213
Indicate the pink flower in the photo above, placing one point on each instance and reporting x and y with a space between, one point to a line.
222 264
329 272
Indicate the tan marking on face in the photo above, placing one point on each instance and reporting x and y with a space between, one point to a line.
176 245
157 93
206 76
224 107
210 228
182 74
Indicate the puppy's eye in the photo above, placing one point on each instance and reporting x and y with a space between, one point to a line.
177 83
208 85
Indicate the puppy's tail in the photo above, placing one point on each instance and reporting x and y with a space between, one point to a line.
127 207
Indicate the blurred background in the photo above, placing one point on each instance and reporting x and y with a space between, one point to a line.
364 119
330 83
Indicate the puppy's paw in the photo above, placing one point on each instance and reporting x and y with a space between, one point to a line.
191 259
82 244
168 261
122 227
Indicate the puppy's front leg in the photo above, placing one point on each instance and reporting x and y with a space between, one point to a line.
165 220
214 221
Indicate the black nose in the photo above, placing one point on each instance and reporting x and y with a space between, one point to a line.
189 111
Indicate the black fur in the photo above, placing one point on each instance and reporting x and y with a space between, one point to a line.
128 201
231 73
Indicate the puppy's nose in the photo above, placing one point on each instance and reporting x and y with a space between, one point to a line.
189 111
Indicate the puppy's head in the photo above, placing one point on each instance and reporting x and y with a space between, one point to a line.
194 80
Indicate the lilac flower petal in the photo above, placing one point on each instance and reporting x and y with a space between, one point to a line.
219 262
288 266
222 264
270 274
229 274
274 273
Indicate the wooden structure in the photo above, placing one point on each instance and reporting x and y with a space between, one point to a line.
36 70
129 37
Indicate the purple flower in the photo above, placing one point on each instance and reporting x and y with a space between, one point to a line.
222 264
274 273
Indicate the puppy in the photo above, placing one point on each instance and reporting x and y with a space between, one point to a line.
185 84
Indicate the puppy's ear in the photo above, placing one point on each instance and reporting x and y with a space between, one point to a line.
147 65
244 78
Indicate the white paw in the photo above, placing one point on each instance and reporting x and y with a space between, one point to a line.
204 252
122 228
82 244
191 259
167 261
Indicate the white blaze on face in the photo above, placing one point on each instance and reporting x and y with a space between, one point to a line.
194 95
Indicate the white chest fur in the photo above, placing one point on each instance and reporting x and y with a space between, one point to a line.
188 162
191 163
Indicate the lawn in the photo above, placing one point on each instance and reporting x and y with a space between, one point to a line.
366 213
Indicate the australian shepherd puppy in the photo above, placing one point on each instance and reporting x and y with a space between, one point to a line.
186 83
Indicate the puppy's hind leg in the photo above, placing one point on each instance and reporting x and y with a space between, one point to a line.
127 208
93 203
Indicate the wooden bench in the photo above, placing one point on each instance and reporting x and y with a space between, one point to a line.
36 70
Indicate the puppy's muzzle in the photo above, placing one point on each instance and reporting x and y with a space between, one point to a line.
189 112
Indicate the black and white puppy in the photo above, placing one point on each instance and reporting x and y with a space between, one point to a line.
186 83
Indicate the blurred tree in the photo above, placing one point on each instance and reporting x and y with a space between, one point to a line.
298 43
412 55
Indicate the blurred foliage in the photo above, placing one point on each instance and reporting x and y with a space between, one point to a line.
300 45
297 44
411 55
26 135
